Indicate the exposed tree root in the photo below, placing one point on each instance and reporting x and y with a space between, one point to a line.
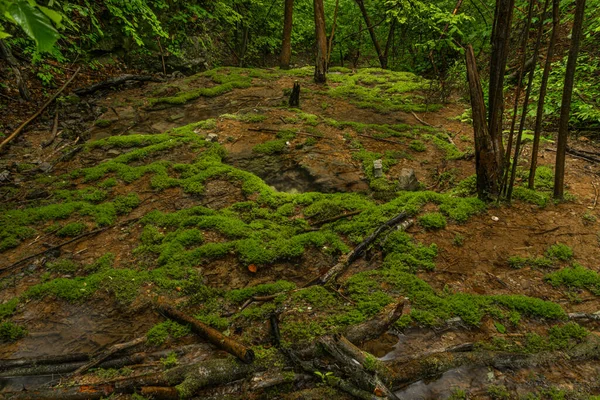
112 82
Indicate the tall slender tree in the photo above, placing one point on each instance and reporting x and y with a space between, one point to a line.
542 97
286 46
321 37
500 46
565 107
380 54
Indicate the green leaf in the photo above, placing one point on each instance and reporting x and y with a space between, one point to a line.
54 16
35 24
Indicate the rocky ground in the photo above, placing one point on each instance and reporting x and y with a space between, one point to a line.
206 192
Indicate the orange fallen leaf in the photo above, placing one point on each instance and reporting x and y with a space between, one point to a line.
252 268
378 392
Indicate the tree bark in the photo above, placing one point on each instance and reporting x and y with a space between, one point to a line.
380 55
21 84
500 48
487 162
212 335
333 25
542 96
526 104
321 37
565 108
286 46
295 96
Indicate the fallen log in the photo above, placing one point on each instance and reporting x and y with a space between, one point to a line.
354 368
214 336
112 82
109 353
349 258
376 326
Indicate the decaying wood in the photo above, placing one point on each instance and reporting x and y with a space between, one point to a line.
336 218
376 326
109 353
295 95
214 336
349 258
112 82
585 155
258 299
352 361
38 112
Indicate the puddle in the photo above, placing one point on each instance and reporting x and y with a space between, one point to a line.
465 378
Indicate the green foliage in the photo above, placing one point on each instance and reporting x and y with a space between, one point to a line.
10 332
417 145
169 361
162 331
38 22
576 277
498 392
518 262
64 265
72 229
560 251
241 295
432 221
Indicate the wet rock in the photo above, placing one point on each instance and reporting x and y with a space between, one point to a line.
408 180
378 169
176 117
113 152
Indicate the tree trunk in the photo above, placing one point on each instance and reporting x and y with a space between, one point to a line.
330 43
295 96
526 104
363 10
542 96
565 108
286 47
321 36
500 48
487 162
7 55
390 39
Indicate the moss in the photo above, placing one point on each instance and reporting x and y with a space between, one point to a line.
271 147
8 308
518 262
432 221
72 229
241 295
576 277
102 123
531 196
560 252
169 361
64 265
11 332
162 331
417 145
317 296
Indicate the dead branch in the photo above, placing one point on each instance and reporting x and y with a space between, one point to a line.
379 139
421 121
349 258
58 246
276 131
212 335
376 326
38 112
112 82
337 217
109 353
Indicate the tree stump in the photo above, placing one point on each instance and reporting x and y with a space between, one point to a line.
295 96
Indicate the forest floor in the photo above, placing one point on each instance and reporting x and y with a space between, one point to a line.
208 190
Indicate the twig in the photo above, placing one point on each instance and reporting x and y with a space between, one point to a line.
58 246
548 230
162 56
337 217
500 281
111 351
596 195
37 114
380 139
421 121
268 130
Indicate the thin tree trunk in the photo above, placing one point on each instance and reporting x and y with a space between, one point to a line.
500 48
526 103
389 41
330 44
321 36
543 88
518 93
286 47
565 108
363 10
487 163
7 55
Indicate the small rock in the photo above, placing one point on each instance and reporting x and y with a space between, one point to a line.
212 137
378 168
408 180
176 117
494 218
45 167
113 152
